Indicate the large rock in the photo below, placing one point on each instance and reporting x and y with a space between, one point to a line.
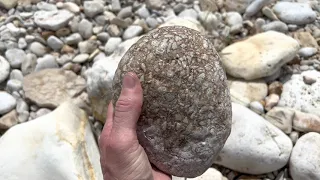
100 77
210 174
51 87
259 56
244 92
305 160
186 114
301 96
52 20
254 146
59 145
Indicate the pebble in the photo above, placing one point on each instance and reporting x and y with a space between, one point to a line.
14 85
38 49
92 8
112 44
132 31
307 52
22 106
46 62
54 43
8 120
125 12
104 36
42 112
73 39
154 4
233 19
29 64
294 136
52 20
281 118
87 47
16 74
71 6
287 12
271 101
188 13
116 5
305 122
23 116
15 57
113 30
22 43
304 162
209 20
152 22
309 80
275 26
143 12
179 8
254 7
81 58
46 6
275 88
7 102
257 107
85 28
269 13
8 4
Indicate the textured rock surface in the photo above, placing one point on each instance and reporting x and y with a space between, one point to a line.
59 145
51 87
186 115
210 174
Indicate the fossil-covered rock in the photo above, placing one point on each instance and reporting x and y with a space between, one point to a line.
186 115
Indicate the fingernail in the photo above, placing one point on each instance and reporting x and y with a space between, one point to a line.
128 82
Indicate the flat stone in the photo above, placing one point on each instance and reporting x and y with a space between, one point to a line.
52 20
16 74
259 56
85 28
300 96
196 103
4 69
143 12
132 31
8 4
46 62
38 87
38 49
9 120
304 162
112 44
7 102
92 8
55 43
62 140
305 122
210 174
15 57
295 13
125 12
281 118
254 146
81 58
271 101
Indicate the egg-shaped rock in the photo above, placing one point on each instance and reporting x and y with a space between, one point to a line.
186 113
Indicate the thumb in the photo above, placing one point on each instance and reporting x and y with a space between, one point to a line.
128 107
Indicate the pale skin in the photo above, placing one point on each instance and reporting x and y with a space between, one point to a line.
122 157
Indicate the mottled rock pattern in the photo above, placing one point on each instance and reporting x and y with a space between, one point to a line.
186 115
51 87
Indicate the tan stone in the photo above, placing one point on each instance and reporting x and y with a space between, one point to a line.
306 122
9 120
51 87
305 39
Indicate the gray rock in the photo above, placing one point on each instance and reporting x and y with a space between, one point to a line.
23 116
87 47
294 13
73 39
14 85
16 74
85 28
307 52
155 4
179 8
4 69
7 102
92 8
22 43
55 43
38 49
81 58
132 31
125 12
189 13
275 26
22 106
112 44
52 20
29 64
46 6
104 36
116 6
209 20
255 7
113 30
193 133
152 22
234 18
143 12
46 62
42 112
65 58
15 57
305 161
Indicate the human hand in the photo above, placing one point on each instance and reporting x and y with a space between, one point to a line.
122 157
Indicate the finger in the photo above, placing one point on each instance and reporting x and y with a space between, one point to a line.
128 106
109 121
158 175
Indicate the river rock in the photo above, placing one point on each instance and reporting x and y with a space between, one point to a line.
186 22
9 120
15 57
8 4
239 5
259 56
301 96
38 87
305 122
4 69
210 174
7 102
186 108
281 118
52 20
295 13
254 146
305 161
92 8
61 144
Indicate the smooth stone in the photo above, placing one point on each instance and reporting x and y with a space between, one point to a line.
132 31
38 49
54 43
65 58
29 64
23 116
125 12
46 62
155 4
244 92
275 26
307 52
186 22
255 7
38 87
8 4
85 28
71 6
152 22
275 87
116 5
239 5
189 13
87 47
46 6
210 174
112 44
42 112
259 56
52 20
305 122
73 39
9 120
7 102
294 136
104 69
22 43
143 12
22 106
103 36
269 13
254 146
304 162
295 13
92 8
16 74
4 69
60 143
257 107
281 118
14 85
300 96
15 57
233 18
271 101
81 58
307 79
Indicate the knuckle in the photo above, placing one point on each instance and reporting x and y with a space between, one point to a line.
124 104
